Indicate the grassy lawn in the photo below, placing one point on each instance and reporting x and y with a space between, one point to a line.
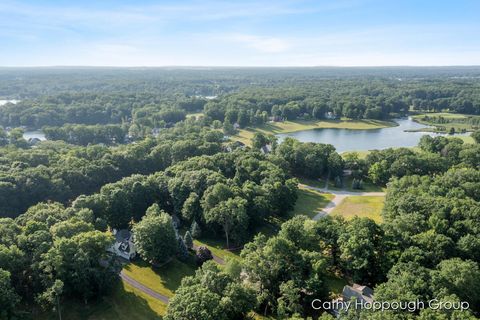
361 154
124 303
347 185
165 279
362 206
218 247
317 183
466 139
310 202
455 118
245 135
196 115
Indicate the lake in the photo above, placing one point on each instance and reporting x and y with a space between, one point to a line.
2 102
363 140
34 134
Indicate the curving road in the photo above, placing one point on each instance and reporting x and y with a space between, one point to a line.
152 293
339 196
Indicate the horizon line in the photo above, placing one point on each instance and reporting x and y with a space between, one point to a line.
239 66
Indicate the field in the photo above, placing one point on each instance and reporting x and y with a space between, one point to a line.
310 202
245 135
362 206
453 120
165 279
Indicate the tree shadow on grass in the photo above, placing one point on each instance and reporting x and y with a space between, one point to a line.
168 275
123 303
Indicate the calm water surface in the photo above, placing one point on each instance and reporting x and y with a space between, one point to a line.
363 140
34 134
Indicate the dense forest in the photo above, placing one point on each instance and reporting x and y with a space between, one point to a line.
159 97
125 150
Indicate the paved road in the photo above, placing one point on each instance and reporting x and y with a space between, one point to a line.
339 196
152 293
137 285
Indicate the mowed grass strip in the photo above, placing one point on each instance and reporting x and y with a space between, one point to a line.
310 202
218 247
245 135
165 279
361 206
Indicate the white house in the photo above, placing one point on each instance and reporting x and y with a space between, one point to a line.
330 115
123 246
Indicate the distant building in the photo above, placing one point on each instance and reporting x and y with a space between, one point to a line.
330 115
275 119
236 126
266 149
34 141
234 145
362 294
123 246
156 132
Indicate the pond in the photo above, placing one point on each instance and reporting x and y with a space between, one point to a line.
34 134
2 102
363 140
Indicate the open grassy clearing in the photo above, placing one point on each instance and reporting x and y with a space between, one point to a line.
361 206
361 154
164 279
347 186
455 120
124 303
310 201
245 135
196 115
317 183
218 247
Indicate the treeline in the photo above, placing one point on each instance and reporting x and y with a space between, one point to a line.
92 109
51 253
359 99
60 172
246 97
439 154
426 248
225 194
83 135
324 100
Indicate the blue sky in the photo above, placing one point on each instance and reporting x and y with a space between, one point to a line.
240 33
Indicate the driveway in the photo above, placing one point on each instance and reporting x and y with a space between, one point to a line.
339 196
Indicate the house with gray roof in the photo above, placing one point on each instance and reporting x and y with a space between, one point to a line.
362 294
123 246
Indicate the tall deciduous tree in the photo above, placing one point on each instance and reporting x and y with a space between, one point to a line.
154 236
231 216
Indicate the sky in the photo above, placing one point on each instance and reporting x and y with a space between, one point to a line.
239 33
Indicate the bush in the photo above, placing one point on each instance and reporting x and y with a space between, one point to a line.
203 254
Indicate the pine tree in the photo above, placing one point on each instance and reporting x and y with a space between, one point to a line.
182 249
188 240
195 230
